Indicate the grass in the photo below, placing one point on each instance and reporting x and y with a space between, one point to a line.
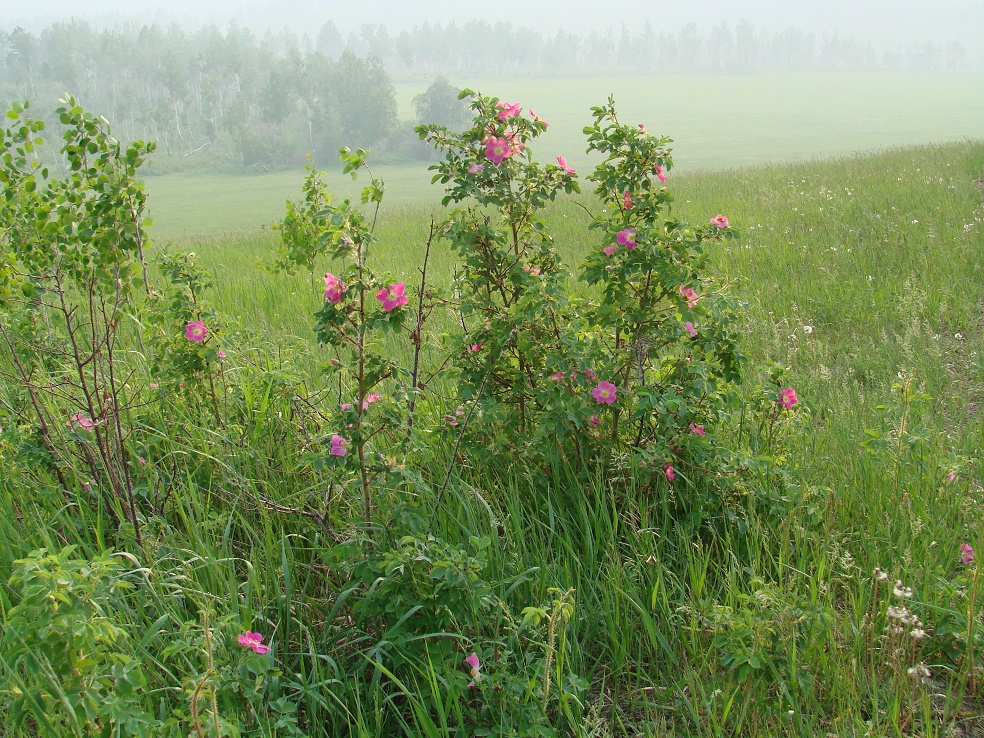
858 274
716 122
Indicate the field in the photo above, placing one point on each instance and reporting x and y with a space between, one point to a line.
717 122
861 276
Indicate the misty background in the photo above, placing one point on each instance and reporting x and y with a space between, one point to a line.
886 23
261 84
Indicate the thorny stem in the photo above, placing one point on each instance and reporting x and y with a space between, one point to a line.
361 355
971 634
140 246
120 436
461 435
417 334
29 385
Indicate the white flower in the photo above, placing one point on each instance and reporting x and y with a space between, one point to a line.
899 613
920 672
808 329
900 591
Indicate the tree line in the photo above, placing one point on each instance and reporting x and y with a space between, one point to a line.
482 48
213 98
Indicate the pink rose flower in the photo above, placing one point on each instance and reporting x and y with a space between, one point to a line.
392 297
627 200
689 295
473 168
690 326
497 149
951 476
254 641
339 446
196 331
668 471
556 376
538 119
610 250
697 430
627 238
508 110
562 163
966 553
82 421
659 173
334 289
474 668
515 145
604 392
594 420
788 396
720 221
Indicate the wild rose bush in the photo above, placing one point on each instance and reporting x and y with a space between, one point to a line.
641 375
644 371
122 385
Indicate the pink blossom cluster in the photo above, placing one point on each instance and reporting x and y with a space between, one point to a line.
452 420
498 148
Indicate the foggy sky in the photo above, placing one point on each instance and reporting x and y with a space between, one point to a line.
887 23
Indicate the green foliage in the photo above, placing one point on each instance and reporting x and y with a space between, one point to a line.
772 641
642 373
301 229
168 312
698 598
68 664
77 254
441 105
426 613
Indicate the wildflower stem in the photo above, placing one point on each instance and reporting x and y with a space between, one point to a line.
417 335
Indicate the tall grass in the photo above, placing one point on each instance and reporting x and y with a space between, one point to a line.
858 274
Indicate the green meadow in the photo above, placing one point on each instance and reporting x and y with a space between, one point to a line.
863 276
717 122
860 268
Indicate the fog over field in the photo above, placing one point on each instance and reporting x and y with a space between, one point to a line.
231 87
886 23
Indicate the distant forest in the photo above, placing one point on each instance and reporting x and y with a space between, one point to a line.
214 98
